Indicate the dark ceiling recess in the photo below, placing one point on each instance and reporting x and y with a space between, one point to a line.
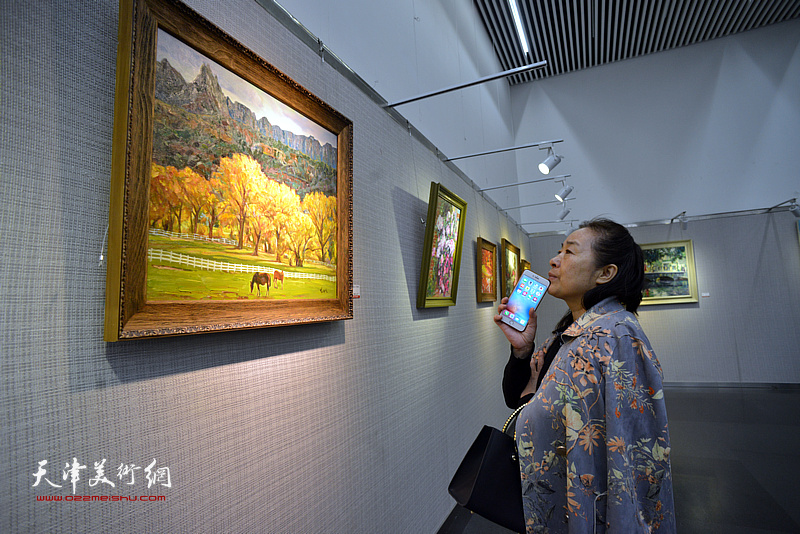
577 34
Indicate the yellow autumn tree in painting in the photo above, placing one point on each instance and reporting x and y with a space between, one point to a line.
165 202
321 209
196 194
272 204
286 206
240 177
299 234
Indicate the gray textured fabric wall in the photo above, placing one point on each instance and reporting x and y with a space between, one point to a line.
745 332
352 426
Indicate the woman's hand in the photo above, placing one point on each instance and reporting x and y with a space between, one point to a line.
521 342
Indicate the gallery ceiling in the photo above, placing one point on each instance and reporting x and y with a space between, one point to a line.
577 34
600 113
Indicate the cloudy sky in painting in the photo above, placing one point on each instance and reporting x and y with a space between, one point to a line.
188 61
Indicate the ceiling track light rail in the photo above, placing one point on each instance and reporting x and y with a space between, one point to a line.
681 218
507 149
491 77
570 222
794 209
556 178
532 205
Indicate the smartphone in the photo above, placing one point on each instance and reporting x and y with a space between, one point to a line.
527 295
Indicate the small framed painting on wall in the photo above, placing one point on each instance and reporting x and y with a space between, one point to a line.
441 257
510 263
487 271
670 273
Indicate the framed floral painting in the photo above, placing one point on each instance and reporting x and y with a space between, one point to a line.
510 267
441 258
487 271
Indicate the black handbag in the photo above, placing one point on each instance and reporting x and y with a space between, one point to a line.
487 482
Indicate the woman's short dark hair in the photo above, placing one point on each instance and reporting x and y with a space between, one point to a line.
613 244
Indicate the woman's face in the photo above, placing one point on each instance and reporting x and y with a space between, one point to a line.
573 271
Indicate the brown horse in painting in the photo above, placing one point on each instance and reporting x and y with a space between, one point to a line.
277 275
259 279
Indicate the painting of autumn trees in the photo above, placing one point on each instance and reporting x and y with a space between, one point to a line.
239 183
231 198
263 215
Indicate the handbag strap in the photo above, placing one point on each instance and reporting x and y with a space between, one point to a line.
513 417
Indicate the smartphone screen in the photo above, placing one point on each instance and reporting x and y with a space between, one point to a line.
527 295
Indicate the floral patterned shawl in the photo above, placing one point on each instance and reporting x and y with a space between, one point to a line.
593 442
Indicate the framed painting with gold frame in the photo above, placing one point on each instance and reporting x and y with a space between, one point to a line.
487 271
441 257
510 263
669 269
226 174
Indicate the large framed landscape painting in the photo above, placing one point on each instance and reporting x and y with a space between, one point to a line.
670 273
441 257
231 191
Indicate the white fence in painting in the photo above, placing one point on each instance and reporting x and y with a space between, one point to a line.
167 256
196 237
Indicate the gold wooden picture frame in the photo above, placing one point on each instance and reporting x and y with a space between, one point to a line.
510 267
669 269
441 257
231 187
487 271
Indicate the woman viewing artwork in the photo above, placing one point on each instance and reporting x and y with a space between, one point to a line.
593 439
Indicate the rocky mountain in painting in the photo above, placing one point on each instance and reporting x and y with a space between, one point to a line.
203 96
305 144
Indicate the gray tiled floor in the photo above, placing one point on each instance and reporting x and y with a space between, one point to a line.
735 462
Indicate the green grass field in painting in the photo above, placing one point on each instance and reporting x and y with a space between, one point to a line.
170 281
